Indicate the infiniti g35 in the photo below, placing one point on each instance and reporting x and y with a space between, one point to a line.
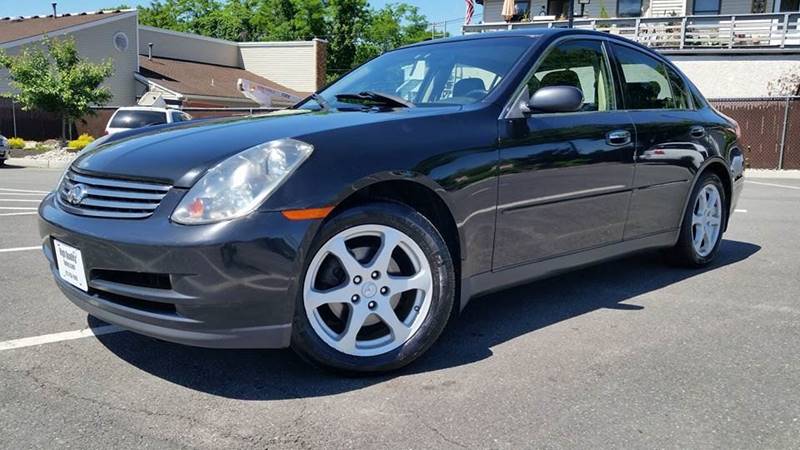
355 225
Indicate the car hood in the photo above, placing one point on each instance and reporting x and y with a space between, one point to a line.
180 154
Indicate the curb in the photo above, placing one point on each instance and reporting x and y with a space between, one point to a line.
37 163
769 173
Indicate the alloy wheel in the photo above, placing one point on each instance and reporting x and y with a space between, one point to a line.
706 220
368 290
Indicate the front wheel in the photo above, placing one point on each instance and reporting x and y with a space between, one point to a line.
377 291
704 219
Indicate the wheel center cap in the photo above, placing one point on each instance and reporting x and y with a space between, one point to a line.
369 290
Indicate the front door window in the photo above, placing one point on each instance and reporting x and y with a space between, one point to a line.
579 64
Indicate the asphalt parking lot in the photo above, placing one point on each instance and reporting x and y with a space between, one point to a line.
628 354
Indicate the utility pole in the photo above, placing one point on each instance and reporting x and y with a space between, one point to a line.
571 14
14 116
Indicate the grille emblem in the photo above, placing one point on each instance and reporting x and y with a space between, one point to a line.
76 194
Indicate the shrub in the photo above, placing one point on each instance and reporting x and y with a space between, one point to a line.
80 143
16 143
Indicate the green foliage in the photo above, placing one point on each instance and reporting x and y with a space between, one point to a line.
355 31
392 26
80 143
16 143
52 77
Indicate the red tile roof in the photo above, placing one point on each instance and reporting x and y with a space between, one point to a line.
16 28
193 78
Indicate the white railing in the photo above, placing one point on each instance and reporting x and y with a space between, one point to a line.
689 32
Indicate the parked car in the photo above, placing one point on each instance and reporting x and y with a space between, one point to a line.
131 117
353 226
5 150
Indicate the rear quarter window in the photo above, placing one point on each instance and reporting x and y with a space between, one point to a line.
137 119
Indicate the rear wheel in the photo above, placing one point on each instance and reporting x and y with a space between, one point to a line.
377 291
704 219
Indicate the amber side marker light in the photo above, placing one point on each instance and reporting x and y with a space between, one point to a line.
307 214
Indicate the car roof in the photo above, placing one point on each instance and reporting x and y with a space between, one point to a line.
144 108
528 32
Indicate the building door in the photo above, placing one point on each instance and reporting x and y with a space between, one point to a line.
558 8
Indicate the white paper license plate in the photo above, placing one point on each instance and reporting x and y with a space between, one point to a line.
70 265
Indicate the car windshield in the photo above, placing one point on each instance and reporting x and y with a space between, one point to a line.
137 119
451 73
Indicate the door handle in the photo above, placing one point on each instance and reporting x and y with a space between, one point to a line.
618 138
697 131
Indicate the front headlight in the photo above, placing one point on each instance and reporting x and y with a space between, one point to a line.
237 186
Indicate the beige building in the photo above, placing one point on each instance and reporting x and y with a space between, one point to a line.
186 69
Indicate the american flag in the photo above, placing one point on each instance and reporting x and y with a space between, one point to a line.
470 11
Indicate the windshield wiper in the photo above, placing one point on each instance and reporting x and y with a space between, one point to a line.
323 104
321 101
378 98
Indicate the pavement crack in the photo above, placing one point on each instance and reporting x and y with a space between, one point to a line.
443 436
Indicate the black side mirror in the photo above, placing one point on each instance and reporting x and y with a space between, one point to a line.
556 99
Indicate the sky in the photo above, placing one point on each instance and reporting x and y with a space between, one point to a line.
435 10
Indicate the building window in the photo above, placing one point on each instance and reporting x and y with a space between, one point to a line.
522 9
788 5
629 8
706 7
121 41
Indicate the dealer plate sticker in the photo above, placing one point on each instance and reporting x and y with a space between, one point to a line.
70 265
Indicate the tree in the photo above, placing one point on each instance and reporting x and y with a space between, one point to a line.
346 23
52 77
290 20
390 27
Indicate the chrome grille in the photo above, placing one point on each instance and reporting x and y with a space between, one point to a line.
90 195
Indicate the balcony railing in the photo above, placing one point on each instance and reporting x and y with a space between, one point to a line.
745 31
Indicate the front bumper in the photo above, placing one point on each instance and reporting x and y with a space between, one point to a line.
227 285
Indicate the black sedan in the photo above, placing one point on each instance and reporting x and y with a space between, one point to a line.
354 226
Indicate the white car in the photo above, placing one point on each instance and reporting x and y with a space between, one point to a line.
128 118
5 150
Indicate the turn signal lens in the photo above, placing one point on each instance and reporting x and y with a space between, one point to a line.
307 214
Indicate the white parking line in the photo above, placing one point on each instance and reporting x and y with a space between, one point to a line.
774 185
28 200
740 210
21 194
59 337
24 190
18 208
28 213
19 249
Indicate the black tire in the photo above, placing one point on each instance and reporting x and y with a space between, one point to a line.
683 253
405 219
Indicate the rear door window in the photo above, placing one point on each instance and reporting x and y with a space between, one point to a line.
137 119
648 83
